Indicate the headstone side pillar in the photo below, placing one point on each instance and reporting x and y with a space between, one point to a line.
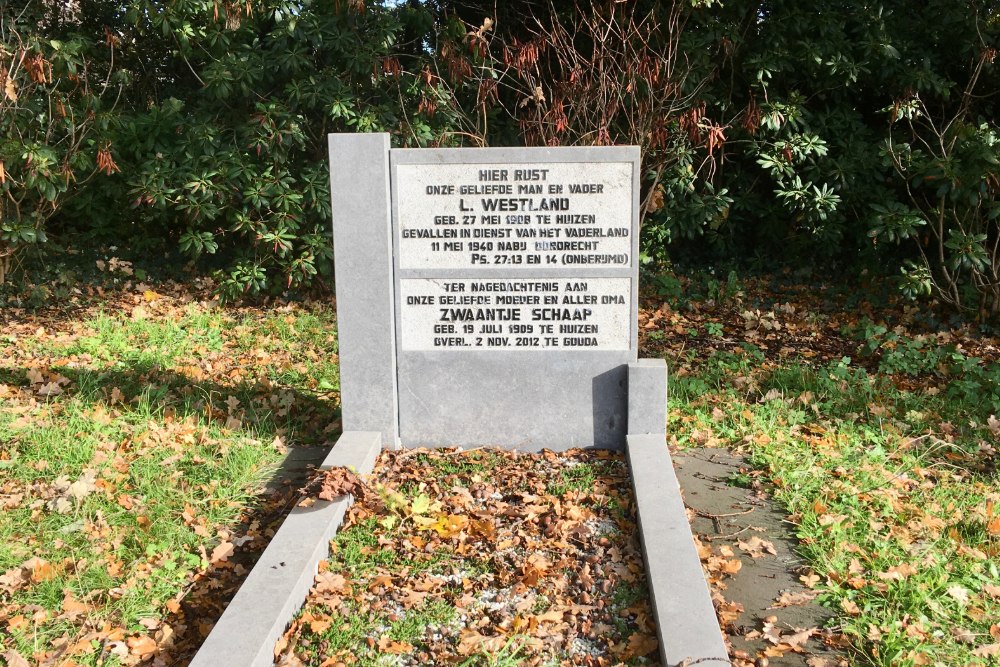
362 233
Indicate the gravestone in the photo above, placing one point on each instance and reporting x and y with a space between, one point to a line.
486 296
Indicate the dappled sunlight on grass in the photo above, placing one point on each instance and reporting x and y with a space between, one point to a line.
133 450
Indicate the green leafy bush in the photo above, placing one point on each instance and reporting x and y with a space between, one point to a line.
52 120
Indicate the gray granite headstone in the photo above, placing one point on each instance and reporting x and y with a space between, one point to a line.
513 279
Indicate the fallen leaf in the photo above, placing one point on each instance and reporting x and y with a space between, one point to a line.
334 483
387 645
790 599
963 635
850 607
821 661
757 547
987 651
41 570
331 582
450 525
639 644
72 606
473 642
222 552
810 580
15 659
141 645
959 593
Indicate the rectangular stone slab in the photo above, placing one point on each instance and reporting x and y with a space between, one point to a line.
516 275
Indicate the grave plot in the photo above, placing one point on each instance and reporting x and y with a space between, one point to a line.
485 297
461 557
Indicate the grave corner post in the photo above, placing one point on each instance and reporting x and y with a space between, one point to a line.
362 233
647 397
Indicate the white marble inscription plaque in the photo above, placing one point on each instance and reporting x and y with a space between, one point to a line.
565 215
515 313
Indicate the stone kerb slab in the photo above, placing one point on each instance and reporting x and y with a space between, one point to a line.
275 588
511 277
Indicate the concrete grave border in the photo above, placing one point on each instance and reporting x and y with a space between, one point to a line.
686 623
278 584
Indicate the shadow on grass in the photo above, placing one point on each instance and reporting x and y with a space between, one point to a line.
308 424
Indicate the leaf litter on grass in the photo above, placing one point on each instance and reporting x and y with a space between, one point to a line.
136 434
482 557
876 428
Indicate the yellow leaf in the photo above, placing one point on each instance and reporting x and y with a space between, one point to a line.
420 504
450 524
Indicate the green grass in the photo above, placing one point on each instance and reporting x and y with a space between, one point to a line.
480 461
170 414
874 476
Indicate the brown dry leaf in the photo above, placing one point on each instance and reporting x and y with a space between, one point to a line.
473 642
330 582
41 570
898 572
141 645
810 580
72 606
222 552
14 579
963 635
799 638
820 661
958 593
987 651
9 88
776 651
413 598
728 611
15 659
850 607
320 625
790 599
639 644
757 547
49 389
387 645
731 566
334 483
